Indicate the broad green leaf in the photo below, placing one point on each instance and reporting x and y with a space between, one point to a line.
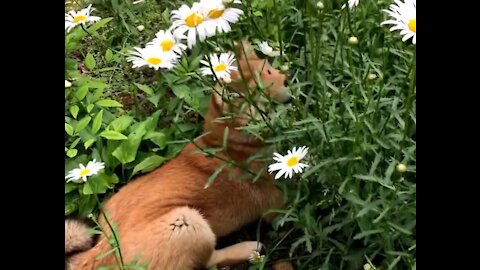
83 123
74 111
113 135
69 129
86 205
97 122
72 152
145 88
180 90
157 138
88 143
98 184
108 103
154 99
81 92
121 123
70 187
127 150
90 107
108 55
148 164
90 61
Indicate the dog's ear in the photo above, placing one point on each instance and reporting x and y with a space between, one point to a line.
245 50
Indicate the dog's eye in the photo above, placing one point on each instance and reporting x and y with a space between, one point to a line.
269 72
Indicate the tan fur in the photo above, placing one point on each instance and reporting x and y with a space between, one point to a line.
169 218
76 237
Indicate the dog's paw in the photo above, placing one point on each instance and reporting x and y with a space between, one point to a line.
250 249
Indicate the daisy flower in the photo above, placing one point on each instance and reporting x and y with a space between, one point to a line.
255 257
222 66
73 18
190 20
232 1
165 40
153 57
404 18
267 50
353 3
289 163
218 16
80 175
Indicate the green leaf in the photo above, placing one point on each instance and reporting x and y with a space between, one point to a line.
214 175
97 122
81 92
86 205
148 164
90 107
69 129
108 55
90 61
94 185
373 178
99 24
108 103
113 135
72 152
83 123
366 233
145 88
399 228
75 143
88 143
181 91
157 138
69 187
121 123
127 150
154 99
74 111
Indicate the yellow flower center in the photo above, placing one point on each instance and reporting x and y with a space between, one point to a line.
167 45
79 18
216 13
84 172
193 20
220 67
154 60
412 25
292 161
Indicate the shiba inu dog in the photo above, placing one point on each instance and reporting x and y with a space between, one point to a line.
167 217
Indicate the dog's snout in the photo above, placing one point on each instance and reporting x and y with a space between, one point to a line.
288 100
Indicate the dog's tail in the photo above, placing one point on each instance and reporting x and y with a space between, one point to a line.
76 236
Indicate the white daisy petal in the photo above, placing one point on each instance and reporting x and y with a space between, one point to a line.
152 56
73 18
191 21
83 172
221 65
290 163
218 17
404 18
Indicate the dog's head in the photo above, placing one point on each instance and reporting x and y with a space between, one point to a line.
255 85
258 74
252 88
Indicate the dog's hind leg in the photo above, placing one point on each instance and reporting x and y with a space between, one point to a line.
234 254
178 240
